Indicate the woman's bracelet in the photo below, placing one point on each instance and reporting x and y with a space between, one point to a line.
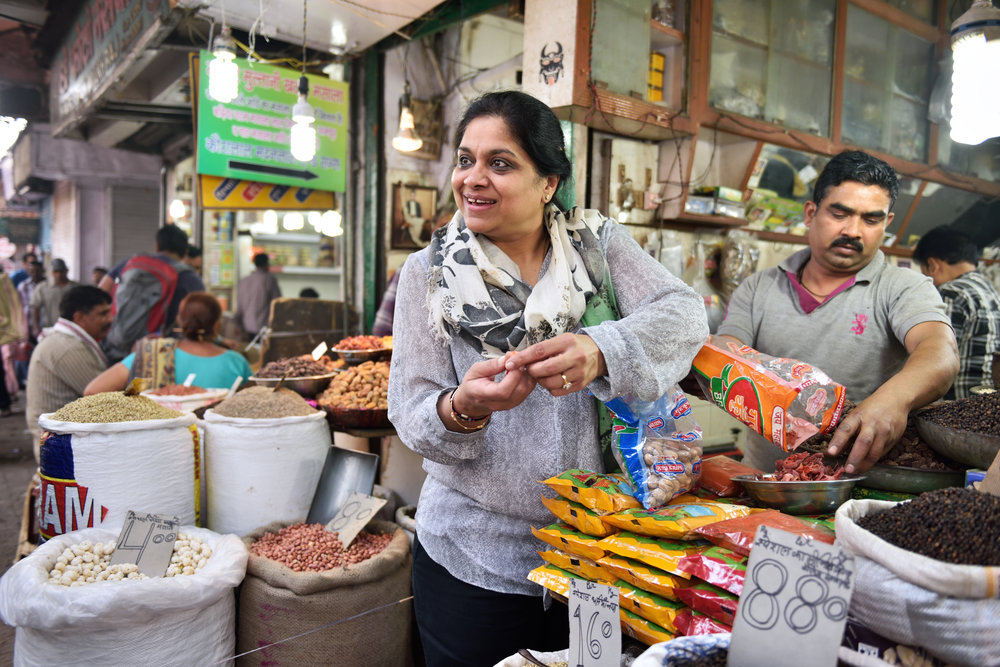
466 422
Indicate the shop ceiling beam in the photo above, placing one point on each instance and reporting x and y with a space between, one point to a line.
445 15
147 113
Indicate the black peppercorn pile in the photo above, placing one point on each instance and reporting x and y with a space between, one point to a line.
954 525
979 413
716 659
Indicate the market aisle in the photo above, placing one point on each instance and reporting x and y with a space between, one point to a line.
16 468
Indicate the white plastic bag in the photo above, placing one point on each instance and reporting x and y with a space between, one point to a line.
92 474
262 470
183 620
920 601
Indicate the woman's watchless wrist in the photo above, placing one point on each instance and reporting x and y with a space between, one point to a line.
465 422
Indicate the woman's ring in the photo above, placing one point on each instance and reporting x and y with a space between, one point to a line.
566 383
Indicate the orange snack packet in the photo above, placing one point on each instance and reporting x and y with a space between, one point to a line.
717 473
785 400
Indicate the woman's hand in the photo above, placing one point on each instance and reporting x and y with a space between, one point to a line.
563 364
480 395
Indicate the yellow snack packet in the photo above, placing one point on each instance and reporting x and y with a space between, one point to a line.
584 567
594 490
642 576
651 607
646 631
552 578
578 516
572 541
675 522
656 552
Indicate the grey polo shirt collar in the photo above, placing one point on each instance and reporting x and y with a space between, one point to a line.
807 301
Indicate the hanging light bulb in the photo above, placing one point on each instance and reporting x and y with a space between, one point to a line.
406 139
315 219
176 209
270 221
303 132
293 222
975 96
331 224
223 73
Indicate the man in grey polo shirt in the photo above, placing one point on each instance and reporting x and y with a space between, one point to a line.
879 330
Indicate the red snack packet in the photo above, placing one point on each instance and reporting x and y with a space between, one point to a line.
717 473
721 567
711 601
737 534
690 622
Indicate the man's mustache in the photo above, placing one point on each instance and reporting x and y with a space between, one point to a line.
848 243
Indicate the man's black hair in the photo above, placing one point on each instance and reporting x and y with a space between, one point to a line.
947 244
81 298
860 167
261 260
193 251
172 239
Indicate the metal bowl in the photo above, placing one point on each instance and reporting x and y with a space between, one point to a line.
357 418
973 449
799 497
354 357
904 479
307 386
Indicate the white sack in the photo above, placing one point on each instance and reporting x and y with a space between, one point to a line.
262 470
183 620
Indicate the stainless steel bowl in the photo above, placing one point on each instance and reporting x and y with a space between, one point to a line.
358 356
973 449
799 497
904 479
307 386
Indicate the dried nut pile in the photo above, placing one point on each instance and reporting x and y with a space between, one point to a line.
87 562
913 452
360 343
311 547
293 367
112 406
177 390
979 414
365 387
955 525
670 456
264 403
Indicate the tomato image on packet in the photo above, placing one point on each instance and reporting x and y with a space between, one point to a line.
594 490
785 400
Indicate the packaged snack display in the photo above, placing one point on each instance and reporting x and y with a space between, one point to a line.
675 522
643 576
578 516
597 491
584 567
785 400
657 445
648 605
572 541
717 474
738 533
552 578
644 630
721 567
711 601
690 622
658 553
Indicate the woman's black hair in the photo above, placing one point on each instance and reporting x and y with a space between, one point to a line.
198 314
532 124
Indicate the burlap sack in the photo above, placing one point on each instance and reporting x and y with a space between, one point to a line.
277 603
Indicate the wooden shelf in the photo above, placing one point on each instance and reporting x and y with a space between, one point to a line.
664 35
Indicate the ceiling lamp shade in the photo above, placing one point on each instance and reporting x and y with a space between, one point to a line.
975 95
223 73
406 139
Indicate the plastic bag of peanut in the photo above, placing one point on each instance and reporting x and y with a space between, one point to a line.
658 445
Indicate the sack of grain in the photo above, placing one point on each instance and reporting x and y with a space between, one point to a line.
180 620
262 468
105 454
277 602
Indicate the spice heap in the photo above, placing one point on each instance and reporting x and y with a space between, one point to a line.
912 452
311 547
264 403
804 467
293 367
365 386
361 343
979 414
954 525
177 390
87 562
112 406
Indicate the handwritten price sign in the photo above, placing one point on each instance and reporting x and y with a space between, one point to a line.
354 516
148 541
595 631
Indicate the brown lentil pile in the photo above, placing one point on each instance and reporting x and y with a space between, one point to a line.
293 367
112 406
264 403
954 525
979 414
311 547
913 452
365 386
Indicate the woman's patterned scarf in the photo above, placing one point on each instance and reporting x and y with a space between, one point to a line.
476 290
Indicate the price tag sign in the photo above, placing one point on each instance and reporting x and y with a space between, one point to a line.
595 630
147 540
794 603
319 351
354 516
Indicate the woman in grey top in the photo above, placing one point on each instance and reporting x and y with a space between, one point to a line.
514 273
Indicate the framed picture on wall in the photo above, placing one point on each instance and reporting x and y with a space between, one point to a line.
413 212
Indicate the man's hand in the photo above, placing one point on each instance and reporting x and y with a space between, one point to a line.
875 425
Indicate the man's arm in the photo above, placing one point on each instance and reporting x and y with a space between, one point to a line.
879 420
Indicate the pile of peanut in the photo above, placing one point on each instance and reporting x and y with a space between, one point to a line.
365 387
674 468
311 547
